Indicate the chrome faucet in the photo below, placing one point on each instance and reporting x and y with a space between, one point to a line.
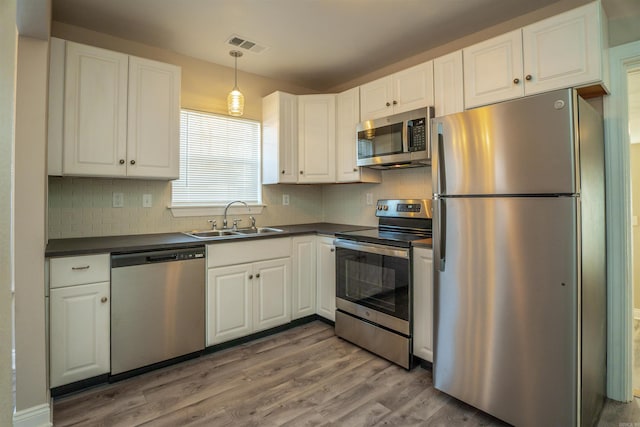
224 220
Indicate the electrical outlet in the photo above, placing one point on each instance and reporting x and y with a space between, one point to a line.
285 199
147 201
369 199
118 200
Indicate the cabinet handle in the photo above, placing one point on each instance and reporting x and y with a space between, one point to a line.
333 249
528 77
258 276
104 299
355 169
133 162
122 161
388 105
516 81
395 102
250 276
283 171
84 267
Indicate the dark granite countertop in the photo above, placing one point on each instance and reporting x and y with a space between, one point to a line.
143 242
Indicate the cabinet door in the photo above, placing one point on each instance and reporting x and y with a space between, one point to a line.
317 138
423 303
413 88
303 289
79 332
153 137
95 112
326 282
448 84
564 50
493 70
279 138
272 293
375 99
229 302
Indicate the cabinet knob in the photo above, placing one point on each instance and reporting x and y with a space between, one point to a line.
122 161
133 162
355 169
283 171
250 276
301 173
516 81
528 77
395 102
333 249
258 276
388 105
104 299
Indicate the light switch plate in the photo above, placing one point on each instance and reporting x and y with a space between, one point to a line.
147 201
118 200
285 199
369 199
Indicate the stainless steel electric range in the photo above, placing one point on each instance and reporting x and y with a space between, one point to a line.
374 279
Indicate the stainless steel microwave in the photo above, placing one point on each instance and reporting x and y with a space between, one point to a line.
401 140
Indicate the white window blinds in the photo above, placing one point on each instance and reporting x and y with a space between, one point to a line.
219 160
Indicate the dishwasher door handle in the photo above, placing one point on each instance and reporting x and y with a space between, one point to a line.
162 258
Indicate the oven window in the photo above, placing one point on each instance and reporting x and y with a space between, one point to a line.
381 141
375 281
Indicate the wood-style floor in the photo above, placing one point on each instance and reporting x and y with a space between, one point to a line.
305 376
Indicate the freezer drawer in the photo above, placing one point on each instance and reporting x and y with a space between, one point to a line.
507 286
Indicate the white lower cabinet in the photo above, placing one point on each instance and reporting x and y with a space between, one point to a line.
423 303
248 288
79 331
326 277
303 291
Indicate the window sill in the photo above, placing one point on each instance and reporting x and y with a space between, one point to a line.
214 210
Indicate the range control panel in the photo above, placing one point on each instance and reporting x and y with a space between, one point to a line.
404 208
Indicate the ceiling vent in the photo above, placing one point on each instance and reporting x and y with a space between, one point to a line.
244 44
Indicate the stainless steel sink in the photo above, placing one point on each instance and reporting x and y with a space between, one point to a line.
209 234
259 230
212 234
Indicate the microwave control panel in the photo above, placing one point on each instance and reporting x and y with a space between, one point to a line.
417 134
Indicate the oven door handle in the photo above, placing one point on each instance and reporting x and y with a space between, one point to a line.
372 248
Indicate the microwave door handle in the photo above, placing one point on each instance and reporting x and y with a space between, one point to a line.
405 136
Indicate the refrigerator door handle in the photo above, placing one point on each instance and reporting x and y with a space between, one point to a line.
441 185
442 233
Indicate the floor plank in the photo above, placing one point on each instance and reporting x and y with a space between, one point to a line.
305 376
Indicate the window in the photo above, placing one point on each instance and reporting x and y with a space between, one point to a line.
219 160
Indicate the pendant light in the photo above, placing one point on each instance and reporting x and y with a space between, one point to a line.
235 100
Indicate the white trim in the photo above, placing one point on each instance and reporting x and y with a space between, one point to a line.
636 313
618 223
218 210
36 416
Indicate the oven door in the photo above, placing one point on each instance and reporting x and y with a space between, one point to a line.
375 277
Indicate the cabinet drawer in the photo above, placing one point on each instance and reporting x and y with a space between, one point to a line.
79 270
221 254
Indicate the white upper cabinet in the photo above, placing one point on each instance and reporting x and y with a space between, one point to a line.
448 84
567 50
279 138
95 111
403 91
120 114
493 70
317 138
153 126
348 116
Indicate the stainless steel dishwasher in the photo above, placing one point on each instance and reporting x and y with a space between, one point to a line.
157 306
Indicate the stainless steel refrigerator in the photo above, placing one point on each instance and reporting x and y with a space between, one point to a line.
519 259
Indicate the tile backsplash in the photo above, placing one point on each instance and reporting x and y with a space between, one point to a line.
82 207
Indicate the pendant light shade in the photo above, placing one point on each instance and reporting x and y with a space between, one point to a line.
235 100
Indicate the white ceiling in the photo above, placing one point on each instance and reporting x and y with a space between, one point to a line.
317 44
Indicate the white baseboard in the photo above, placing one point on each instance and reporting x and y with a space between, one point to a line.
36 416
636 313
